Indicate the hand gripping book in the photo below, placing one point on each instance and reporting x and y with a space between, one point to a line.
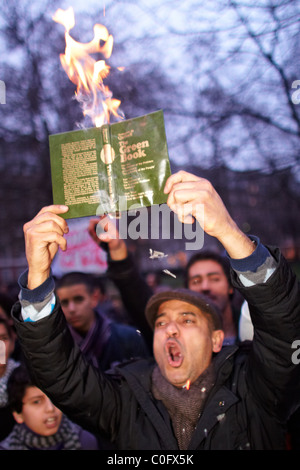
112 168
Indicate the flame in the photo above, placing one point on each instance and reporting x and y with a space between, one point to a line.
87 73
187 385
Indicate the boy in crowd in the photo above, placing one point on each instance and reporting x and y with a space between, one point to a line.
39 425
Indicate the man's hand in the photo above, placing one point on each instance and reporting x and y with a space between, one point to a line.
44 235
193 197
105 230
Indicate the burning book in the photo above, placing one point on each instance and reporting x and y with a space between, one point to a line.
110 167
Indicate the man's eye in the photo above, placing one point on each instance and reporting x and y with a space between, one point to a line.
188 321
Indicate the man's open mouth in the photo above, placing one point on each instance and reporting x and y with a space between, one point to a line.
174 354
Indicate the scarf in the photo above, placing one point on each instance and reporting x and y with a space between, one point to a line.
10 366
93 343
184 406
66 438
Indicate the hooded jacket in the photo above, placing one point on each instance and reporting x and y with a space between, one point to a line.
255 391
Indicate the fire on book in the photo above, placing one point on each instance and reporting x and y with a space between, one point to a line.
86 73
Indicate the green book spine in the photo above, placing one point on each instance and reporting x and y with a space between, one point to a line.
107 156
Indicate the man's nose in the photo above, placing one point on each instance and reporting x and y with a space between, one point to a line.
205 286
172 329
71 306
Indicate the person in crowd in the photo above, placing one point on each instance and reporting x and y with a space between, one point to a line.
39 425
109 300
6 303
193 394
153 280
209 272
103 341
7 366
122 270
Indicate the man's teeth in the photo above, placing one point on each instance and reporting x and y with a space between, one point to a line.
174 355
50 420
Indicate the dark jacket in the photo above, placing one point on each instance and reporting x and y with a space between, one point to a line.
109 342
135 292
7 422
254 393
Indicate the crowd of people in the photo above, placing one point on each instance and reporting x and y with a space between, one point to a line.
203 366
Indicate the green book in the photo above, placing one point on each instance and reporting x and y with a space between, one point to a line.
112 168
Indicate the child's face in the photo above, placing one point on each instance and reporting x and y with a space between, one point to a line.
38 413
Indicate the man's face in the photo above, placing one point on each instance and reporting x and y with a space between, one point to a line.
7 347
78 306
208 277
183 342
39 413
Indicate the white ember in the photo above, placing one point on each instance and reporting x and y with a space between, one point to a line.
156 254
166 271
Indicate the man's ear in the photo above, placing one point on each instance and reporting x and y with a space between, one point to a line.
217 340
18 417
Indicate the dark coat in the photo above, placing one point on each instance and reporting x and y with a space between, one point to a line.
7 422
255 390
110 343
135 292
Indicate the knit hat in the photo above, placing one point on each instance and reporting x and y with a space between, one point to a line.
184 295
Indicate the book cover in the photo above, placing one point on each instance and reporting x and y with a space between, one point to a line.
112 168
